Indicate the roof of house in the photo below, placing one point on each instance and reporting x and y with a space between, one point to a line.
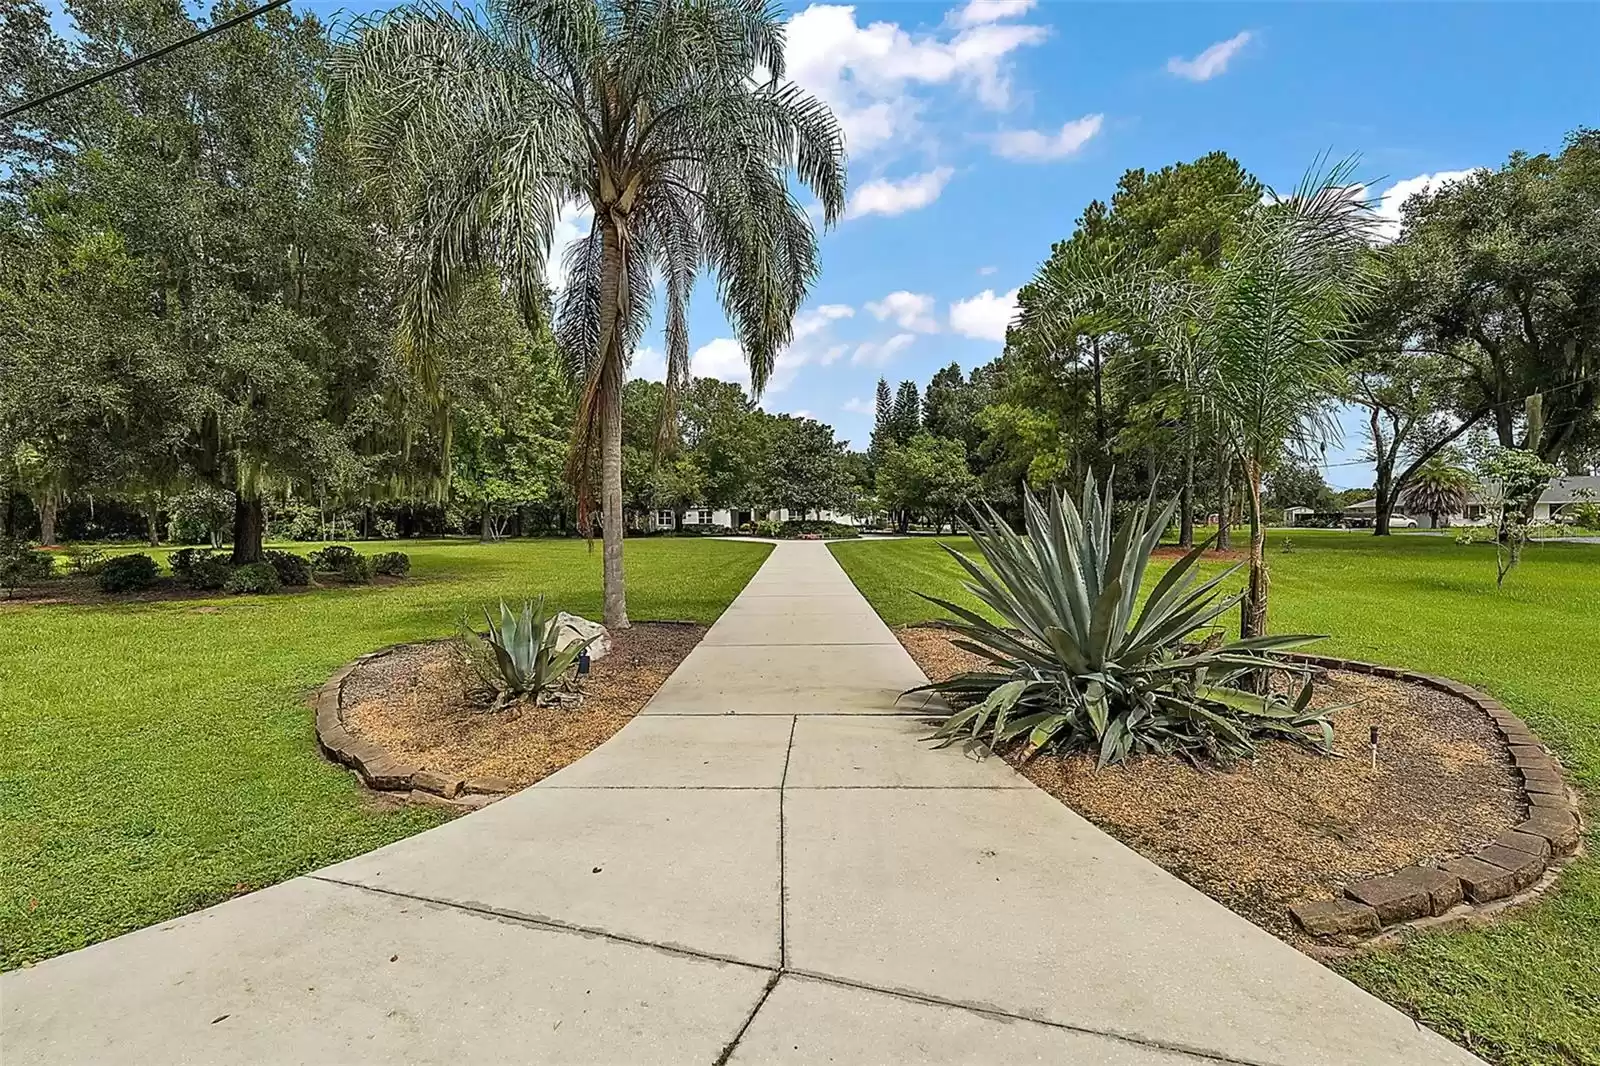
1562 490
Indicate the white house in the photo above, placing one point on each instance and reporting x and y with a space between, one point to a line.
1563 493
734 518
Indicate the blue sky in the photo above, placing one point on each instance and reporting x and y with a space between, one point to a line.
979 132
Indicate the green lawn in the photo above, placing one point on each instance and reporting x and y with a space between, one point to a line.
159 757
1527 989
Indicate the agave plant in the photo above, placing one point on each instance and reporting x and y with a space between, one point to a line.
1078 664
519 657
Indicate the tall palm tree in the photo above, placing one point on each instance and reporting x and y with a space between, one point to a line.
670 119
1441 486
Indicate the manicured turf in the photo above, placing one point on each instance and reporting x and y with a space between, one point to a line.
159 757
1527 989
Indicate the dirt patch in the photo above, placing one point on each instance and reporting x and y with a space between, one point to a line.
419 705
1291 825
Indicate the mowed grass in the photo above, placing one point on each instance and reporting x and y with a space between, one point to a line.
1525 990
159 757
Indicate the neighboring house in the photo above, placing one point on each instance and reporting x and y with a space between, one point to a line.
733 519
1563 493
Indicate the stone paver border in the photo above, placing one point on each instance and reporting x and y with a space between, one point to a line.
1519 864
381 771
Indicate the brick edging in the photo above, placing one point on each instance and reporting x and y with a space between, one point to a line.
1498 873
381 771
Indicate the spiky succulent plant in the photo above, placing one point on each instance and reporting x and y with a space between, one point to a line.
1077 663
520 658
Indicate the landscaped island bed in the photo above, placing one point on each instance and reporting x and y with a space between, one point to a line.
423 704
1291 825
1523 989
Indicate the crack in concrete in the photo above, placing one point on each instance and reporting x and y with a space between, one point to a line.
781 971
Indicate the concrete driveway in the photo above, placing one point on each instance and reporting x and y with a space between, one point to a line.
766 866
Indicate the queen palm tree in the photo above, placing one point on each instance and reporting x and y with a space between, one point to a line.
1441 486
1281 315
670 120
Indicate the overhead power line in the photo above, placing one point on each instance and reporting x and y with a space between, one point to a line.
138 61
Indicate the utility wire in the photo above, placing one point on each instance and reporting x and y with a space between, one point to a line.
137 61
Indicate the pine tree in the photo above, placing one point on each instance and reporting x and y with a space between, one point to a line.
906 417
883 424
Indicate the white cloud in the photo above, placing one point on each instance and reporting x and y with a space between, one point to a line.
857 406
1211 62
809 323
978 12
1389 203
910 310
985 316
985 271
572 222
724 357
877 353
648 364
885 197
868 74
1034 146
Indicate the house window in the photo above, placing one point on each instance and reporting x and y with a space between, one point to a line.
702 517
663 519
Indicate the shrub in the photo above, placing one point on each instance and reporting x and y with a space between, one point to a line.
199 514
21 566
294 521
128 573
809 527
1081 666
84 559
385 529
357 570
393 564
332 558
293 570
1584 515
253 577
519 658
201 568
768 528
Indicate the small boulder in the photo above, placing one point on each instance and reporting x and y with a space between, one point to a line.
572 628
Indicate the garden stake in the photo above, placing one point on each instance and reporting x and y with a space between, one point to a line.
1373 740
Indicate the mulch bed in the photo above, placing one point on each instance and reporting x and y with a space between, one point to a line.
1291 825
421 704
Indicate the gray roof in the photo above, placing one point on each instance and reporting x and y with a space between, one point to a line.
1575 489
1572 489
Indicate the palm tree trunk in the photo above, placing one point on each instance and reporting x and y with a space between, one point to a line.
1253 622
611 371
1186 495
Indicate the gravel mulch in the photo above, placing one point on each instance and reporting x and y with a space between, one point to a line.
1290 824
420 704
